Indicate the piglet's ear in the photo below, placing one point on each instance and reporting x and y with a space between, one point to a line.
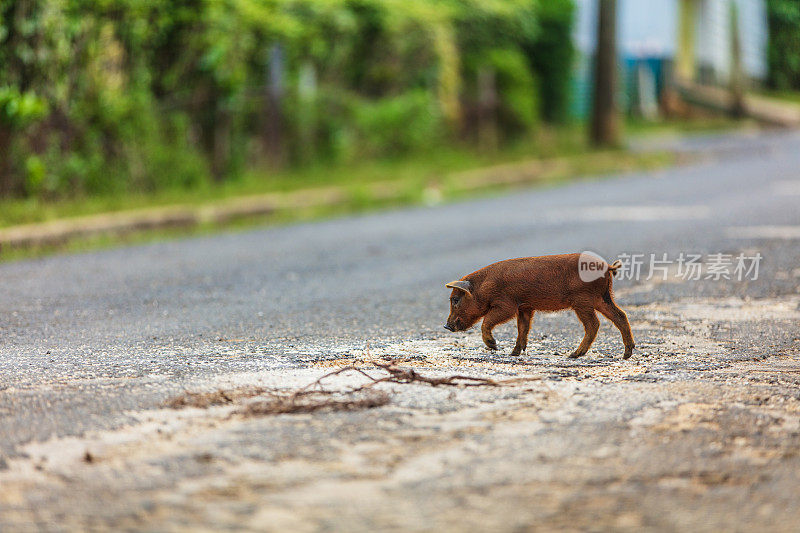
462 285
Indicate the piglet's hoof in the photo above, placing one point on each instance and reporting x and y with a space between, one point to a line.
491 344
576 354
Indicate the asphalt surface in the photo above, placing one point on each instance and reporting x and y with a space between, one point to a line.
92 345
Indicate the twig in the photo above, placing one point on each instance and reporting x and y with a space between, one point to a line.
314 397
409 375
318 382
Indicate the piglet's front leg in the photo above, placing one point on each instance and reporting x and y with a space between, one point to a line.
496 315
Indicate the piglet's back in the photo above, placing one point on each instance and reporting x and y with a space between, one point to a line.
549 282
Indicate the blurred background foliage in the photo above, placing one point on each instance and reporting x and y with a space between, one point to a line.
783 52
107 96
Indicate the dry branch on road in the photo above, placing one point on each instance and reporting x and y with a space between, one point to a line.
315 397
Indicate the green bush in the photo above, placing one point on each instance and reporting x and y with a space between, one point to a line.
18 110
121 95
783 50
517 90
551 55
397 125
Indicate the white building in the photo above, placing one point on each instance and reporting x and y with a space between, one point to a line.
695 34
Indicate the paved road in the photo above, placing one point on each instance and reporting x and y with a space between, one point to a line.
91 345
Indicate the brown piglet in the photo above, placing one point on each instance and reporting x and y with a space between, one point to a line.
519 287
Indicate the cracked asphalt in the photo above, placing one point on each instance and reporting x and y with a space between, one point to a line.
699 430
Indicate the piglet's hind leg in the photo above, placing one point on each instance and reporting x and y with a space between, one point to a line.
620 320
590 324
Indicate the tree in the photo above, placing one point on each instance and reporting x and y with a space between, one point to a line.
605 121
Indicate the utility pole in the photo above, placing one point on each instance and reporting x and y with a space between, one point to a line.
737 72
605 122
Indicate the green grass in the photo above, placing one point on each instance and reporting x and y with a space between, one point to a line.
425 178
787 96
676 127
422 167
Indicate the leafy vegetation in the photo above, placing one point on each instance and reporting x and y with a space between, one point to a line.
117 96
783 52
437 176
